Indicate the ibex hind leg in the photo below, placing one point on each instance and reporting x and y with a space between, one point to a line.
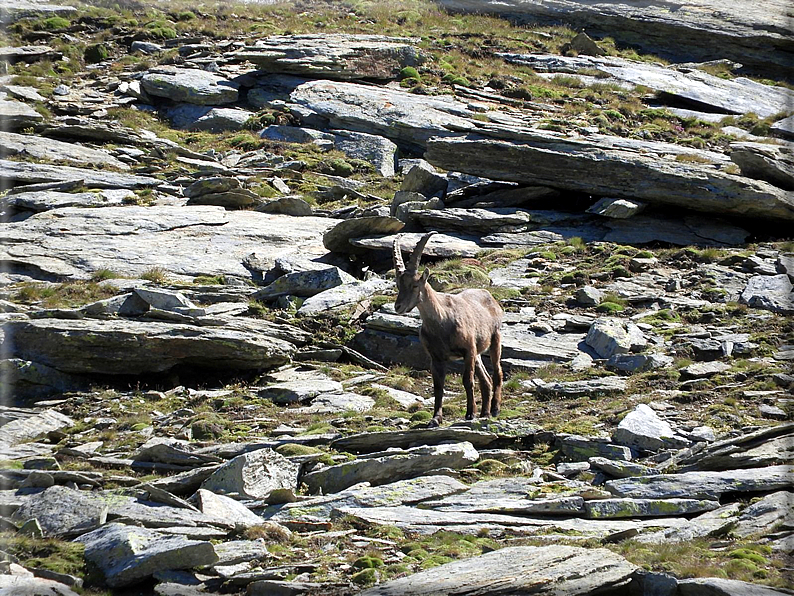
485 388
439 371
496 361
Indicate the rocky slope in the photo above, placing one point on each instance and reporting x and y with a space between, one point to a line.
206 388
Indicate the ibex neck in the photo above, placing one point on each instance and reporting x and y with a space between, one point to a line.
429 305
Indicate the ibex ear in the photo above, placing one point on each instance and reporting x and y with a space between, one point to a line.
425 274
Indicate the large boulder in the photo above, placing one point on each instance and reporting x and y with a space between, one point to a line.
190 85
388 468
254 475
44 149
733 96
568 570
334 56
125 347
200 240
127 555
757 36
612 166
63 512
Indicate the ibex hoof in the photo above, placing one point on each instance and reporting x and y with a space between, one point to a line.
469 416
434 423
495 412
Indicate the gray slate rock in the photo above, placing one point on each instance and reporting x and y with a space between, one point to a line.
132 347
643 429
297 134
589 387
63 512
25 379
32 427
17 115
337 239
620 508
201 240
127 555
423 179
621 469
639 362
333 56
190 85
406 439
770 292
783 128
388 468
343 296
227 509
47 200
774 511
254 475
299 391
702 485
44 149
616 208
24 585
733 96
210 119
578 448
773 163
472 221
703 370
627 169
691 33
614 336
304 283
717 586
565 570
375 149
406 118
33 173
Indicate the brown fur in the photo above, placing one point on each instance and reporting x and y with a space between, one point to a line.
463 325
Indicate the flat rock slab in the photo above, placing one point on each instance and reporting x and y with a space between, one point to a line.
63 512
394 494
609 166
190 85
42 148
127 555
14 10
27 428
406 439
47 200
18 115
405 118
343 296
565 570
734 96
201 240
333 56
773 511
21 585
756 36
18 172
125 347
589 387
717 586
388 468
621 508
703 485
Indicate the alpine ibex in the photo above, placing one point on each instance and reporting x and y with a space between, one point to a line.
465 324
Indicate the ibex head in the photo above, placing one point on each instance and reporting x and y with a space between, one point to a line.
409 281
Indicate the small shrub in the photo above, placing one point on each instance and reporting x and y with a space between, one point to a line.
409 72
54 23
96 53
155 275
104 275
609 307
368 562
366 577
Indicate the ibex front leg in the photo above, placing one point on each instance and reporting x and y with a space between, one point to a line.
485 388
439 369
470 363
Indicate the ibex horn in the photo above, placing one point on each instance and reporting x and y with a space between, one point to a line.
399 266
413 263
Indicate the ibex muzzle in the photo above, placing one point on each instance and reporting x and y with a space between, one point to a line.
453 325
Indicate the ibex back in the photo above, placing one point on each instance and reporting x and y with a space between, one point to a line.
453 325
